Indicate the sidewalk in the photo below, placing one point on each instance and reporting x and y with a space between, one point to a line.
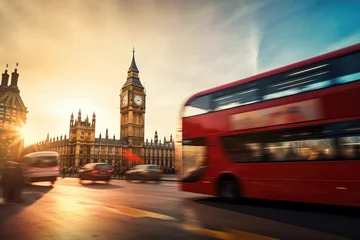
169 177
164 177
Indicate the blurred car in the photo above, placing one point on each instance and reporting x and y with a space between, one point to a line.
96 172
1 174
41 166
144 172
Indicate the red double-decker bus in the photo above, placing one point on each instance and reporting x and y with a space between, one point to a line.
289 134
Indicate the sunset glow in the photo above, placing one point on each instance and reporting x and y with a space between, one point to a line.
76 56
21 131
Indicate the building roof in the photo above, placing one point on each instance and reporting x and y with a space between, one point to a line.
109 141
10 94
133 66
133 71
133 81
9 98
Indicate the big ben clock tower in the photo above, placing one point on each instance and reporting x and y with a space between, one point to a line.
132 116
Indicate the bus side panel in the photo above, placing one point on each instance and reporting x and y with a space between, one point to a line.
336 182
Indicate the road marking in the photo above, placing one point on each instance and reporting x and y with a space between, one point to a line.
128 211
138 213
226 235
249 236
229 234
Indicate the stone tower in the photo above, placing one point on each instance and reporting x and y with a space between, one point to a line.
12 117
132 114
81 140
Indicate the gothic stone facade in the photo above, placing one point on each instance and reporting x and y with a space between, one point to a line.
12 118
82 147
158 153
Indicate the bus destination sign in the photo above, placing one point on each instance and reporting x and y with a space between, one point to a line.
290 113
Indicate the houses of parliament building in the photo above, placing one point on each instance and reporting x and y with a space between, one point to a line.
12 117
81 146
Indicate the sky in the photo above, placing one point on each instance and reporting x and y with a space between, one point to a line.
74 54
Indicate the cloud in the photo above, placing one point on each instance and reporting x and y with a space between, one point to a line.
75 54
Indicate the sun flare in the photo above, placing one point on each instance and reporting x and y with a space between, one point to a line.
21 132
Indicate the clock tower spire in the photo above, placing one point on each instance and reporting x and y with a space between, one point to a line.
132 114
133 74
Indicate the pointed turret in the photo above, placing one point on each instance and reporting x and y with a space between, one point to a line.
156 139
4 79
133 67
93 120
79 117
14 80
72 119
133 74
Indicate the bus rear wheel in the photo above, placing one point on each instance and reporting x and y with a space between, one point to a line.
229 188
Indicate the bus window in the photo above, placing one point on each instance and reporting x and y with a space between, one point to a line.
237 99
302 80
198 106
242 148
347 69
318 149
349 142
350 147
44 161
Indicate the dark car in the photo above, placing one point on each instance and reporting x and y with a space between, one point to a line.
144 173
96 172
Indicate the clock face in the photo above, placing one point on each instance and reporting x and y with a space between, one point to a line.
138 100
125 100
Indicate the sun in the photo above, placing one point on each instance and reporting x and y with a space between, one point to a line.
17 136
21 131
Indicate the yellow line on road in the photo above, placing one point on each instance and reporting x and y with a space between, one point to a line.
128 211
138 213
207 232
229 234
250 236
226 235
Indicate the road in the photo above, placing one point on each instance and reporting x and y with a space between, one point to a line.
123 210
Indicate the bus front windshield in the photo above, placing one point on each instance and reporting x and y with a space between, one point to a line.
191 154
197 106
193 159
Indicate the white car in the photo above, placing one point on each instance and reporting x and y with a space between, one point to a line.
41 166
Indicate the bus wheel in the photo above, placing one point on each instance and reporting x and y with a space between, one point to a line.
229 188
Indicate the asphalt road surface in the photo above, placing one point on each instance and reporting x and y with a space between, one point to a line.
123 210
